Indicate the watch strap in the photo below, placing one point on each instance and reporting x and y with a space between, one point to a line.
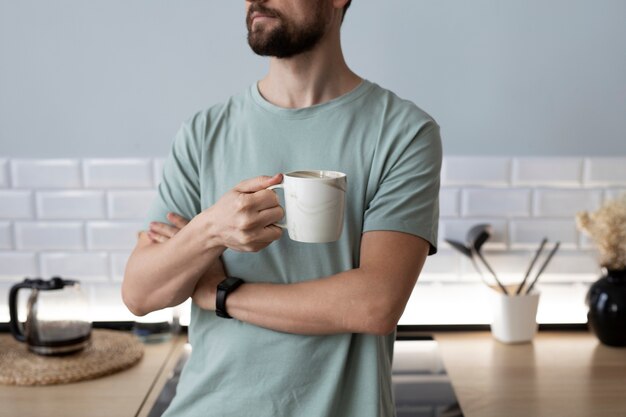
224 288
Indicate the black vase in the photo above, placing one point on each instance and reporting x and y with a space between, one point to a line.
606 300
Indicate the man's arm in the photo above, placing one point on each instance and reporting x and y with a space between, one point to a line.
368 299
160 275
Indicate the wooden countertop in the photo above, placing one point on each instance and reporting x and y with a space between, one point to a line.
123 394
559 374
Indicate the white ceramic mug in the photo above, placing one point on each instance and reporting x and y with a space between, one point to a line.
514 317
314 205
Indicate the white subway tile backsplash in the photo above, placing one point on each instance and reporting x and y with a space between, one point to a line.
118 173
607 171
16 204
118 265
567 265
112 235
81 204
81 266
15 266
561 303
565 203
89 234
105 301
6 236
442 267
527 233
49 235
129 204
509 266
46 173
447 304
158 170
477 202
461 170
585 242
4 173
613 193
449 202
456 229
538 171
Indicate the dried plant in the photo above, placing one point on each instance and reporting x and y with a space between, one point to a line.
607 228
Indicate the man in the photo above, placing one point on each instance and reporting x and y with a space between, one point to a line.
313 325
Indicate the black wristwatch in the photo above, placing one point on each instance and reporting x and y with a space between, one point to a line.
224 288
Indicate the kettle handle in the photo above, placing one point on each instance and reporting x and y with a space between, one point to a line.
14 324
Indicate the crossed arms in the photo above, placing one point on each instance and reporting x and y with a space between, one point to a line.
169 265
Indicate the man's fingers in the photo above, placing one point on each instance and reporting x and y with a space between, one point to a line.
270 234
163 229
157 238
177 220
255 184
271 215
262 200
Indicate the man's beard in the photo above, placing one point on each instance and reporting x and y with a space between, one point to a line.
285 40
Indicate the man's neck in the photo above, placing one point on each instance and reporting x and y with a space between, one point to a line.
310 78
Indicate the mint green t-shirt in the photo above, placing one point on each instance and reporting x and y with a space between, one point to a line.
391 153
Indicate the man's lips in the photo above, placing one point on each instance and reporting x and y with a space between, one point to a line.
262 16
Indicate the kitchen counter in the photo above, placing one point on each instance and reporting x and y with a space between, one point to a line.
121 394
561 373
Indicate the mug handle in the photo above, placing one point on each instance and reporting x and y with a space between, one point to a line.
273 187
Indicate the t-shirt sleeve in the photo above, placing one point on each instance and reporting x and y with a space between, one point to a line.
407 198
179 187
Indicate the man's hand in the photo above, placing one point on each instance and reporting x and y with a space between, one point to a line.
205 291
243 218
166 273
161 232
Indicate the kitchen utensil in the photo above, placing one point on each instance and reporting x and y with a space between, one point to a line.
530 267
543 267
56 320
460 247
467 252
475 238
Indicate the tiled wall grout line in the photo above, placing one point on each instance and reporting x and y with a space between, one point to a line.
82 174
509 173
38 266
9 175
13 235
581 173
84 235
584 174
107 204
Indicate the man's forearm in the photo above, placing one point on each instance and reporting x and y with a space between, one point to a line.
355 301
165 274
369 299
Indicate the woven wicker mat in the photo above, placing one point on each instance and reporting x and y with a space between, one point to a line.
109 352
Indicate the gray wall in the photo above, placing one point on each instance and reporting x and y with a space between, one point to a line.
117 77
